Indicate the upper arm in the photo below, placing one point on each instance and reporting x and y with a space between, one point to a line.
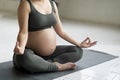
58 26
23 16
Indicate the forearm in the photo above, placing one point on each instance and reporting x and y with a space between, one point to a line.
22 39
68 38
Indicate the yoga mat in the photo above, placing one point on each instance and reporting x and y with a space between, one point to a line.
89 59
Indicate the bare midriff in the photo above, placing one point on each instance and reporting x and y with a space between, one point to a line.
43 42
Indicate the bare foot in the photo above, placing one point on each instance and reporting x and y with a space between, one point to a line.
65 66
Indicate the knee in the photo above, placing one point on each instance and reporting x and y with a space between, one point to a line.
21 59
79 52
27 53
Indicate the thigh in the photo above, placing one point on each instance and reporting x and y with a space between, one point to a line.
70 54
60 49
63 49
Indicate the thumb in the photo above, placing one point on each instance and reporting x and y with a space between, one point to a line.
17 44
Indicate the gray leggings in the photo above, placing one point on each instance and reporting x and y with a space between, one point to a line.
31 62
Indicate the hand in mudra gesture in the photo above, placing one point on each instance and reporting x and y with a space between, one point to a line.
87 43
18 50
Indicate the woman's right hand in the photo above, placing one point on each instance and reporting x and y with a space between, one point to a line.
18 50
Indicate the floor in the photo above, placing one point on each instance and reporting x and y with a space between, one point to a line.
108 41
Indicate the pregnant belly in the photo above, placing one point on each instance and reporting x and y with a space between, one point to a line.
43 42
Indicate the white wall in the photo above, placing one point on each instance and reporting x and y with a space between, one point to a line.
9 5
97 11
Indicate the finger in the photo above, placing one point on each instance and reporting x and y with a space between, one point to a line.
17 43
93 43
86 39
89 41
16 51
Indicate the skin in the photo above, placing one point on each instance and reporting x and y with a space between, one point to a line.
43 42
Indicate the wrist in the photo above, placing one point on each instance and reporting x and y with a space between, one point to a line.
78 44
22 45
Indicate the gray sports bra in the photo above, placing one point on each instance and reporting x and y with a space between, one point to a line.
38 21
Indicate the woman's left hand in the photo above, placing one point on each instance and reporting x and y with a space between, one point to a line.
87 43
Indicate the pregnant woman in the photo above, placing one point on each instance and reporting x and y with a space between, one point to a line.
35 49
